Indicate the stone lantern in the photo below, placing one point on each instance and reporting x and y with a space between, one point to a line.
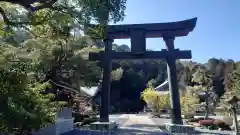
204 97
233 101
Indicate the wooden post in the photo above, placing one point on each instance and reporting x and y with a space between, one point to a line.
138 34
105 94
173 82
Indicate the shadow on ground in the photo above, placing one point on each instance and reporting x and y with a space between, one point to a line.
120 131
133 131
143 126
121 121
130 131
213 132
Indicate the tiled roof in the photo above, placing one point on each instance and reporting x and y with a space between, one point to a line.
88 91
91 91
164 88
161 86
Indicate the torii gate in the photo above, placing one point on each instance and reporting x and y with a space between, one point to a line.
138 34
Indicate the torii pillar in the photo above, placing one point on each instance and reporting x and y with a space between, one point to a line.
138 34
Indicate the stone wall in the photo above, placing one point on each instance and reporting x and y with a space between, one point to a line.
64 123
48 130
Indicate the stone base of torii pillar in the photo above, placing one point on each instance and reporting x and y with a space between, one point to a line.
179 128
104 126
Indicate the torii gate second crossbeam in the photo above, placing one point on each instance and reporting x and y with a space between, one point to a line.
138 34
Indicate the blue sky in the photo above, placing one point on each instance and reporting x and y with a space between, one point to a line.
217 32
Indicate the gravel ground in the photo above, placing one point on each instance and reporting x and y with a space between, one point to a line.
132 131
142 126
118 132
214 132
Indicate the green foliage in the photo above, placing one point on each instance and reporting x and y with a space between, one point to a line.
158 101
232 82
189 100
33 44
155 100
117 74
22 106
108 10
236 78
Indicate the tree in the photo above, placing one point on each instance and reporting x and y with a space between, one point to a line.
189 100
234 80
49 45
228 81
22 106
60 16
211 76
47 37
155 100
28 4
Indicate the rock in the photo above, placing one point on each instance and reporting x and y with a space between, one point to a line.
206 122
225 127
233 127
195 119
188 116
192 120
77 124
228 119
213 127
196 125
221 125
156 116
218 122
88 121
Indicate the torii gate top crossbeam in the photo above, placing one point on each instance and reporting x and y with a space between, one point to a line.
138 34
152 30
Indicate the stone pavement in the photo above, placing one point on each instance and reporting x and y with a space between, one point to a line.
135 120
145 125
129 124
140 122
134 124
139 125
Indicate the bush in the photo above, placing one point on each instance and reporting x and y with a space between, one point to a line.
155 101
22 106
188 102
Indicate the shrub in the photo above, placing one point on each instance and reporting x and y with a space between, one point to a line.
189 101
156 101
